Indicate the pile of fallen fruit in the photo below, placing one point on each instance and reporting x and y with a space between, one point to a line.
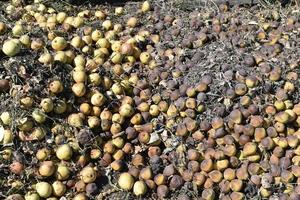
149 101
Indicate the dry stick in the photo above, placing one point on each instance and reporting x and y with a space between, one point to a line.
107 173
218 10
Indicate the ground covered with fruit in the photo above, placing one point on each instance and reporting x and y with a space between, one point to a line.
149 100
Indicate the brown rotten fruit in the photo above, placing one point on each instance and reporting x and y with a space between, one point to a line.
176 182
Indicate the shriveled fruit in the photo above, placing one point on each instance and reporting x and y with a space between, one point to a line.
79 89
62 172
39 116
47 105
58 188
16 167
75 120
250 148
88 175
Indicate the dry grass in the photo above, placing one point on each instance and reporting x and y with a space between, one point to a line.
190 5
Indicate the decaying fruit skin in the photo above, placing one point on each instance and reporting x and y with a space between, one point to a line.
58 188
16 167
4 85
79 89
88 175
75 120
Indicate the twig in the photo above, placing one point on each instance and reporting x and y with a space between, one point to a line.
212 1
